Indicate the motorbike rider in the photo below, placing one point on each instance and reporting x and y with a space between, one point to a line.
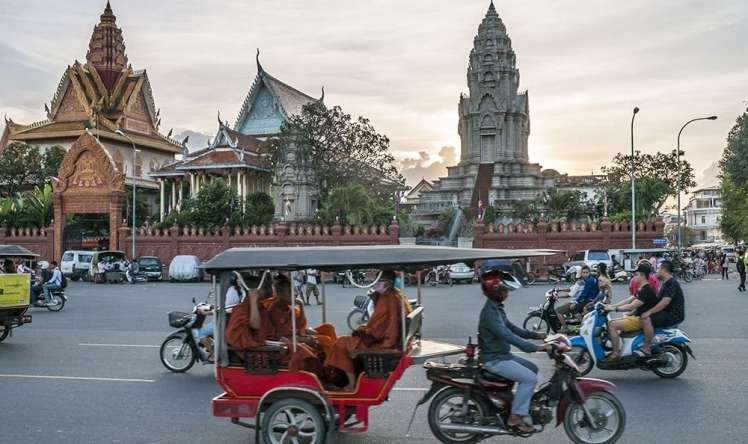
234 296
644 300
588 294
670 310
497 334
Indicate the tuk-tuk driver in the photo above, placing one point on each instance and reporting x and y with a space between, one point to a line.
381 332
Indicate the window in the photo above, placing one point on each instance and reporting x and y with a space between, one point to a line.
702 235
578 257
67 257
85 258
703 219
598 256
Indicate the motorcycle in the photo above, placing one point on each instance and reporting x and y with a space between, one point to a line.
438 275
471 404
619 274
544 319
363 307
556 274
56 300
181 349
669 356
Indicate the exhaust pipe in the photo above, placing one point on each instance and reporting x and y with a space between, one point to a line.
474 429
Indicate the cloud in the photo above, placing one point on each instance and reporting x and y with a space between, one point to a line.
197 139
425 167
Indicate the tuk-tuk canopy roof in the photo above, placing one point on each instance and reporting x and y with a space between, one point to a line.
383 257
16 251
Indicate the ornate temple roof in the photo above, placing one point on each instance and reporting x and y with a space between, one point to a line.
289 99
104 94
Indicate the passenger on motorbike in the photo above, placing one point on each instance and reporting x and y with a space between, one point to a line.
604 285
497 334
670 310
644 300
588 294
234 296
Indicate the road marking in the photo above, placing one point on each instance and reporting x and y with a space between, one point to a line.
410 389
119 345
77 378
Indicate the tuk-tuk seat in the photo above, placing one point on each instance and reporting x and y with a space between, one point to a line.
379 363
263 360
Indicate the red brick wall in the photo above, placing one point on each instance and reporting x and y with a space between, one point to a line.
568 237
195 241
39 241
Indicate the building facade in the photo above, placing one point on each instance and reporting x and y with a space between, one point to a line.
494 126
104 95
703 214
238 155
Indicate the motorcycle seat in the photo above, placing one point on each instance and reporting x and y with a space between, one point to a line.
494 380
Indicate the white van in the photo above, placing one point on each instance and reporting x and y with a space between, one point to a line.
76 263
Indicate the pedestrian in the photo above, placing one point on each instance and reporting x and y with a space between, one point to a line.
312 279
741 269
723 262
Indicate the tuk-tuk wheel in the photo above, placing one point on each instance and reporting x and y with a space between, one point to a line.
4 331
293 420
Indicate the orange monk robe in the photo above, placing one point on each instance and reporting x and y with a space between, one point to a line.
383 327
239 334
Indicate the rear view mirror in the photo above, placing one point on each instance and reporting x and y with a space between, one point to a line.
193 300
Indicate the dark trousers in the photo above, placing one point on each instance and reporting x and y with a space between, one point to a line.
741 287
725 274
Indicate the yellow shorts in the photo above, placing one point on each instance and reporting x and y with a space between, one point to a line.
630 323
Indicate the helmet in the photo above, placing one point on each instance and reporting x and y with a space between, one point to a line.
492 282
43 264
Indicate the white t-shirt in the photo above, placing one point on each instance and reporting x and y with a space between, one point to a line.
233 297
311 276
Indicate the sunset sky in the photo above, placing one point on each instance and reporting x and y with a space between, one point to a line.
586 64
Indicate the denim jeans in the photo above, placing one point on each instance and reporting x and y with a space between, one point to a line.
47 288
524 373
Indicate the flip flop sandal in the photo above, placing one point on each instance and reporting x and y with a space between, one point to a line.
642 354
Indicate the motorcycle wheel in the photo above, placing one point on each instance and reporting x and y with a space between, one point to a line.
451 282
608 414
530 279
535 323
677 362
688 276
56 302
582 358
447 407
4 332
176 354
355 319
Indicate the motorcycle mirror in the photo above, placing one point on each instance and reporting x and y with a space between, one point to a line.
193 300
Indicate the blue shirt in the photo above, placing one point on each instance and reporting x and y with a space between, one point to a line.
590 290
56 278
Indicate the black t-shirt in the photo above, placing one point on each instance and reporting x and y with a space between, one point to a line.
677 306
648 298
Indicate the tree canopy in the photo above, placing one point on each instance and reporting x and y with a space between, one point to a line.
340 150
24 167
734 181
353 204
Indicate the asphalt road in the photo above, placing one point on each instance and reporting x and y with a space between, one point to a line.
91 373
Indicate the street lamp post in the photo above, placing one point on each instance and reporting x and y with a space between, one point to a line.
134 186
678 184
633 181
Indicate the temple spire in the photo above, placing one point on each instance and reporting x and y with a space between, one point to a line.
491 9
106 50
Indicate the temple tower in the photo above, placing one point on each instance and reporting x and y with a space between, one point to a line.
106 50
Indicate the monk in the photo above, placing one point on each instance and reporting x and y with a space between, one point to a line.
381 332
279 326
248 325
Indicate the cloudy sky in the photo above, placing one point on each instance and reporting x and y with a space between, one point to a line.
586 63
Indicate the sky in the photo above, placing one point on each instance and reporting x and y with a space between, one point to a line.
586 64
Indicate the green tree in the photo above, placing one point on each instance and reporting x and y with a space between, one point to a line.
563 204
214 206
490 214
258 209
23 167
734 181
37 209
525 211
658 174
352 204
340 151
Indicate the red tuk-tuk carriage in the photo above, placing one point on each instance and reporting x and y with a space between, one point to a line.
295 406
14 291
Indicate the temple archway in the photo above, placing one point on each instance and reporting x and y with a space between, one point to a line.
88 182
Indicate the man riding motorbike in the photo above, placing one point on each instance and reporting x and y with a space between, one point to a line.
497 334
587 295
670 310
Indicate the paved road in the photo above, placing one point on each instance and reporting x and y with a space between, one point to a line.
130 398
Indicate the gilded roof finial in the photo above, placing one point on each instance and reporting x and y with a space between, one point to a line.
220 124
259 66
322 98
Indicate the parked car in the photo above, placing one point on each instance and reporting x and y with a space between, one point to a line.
461 273
150 267
590 258
108 266
75 264
185 268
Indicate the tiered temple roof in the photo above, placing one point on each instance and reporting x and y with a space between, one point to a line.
104 94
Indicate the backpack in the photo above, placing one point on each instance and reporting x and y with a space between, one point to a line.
63 282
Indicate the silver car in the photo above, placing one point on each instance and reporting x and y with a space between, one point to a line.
461 273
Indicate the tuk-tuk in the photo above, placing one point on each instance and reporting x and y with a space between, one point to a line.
294 406
108 267
15 290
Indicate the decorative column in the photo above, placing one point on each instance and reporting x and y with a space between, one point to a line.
173 203
163 197
181 194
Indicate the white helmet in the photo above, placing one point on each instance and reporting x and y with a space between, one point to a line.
43 264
